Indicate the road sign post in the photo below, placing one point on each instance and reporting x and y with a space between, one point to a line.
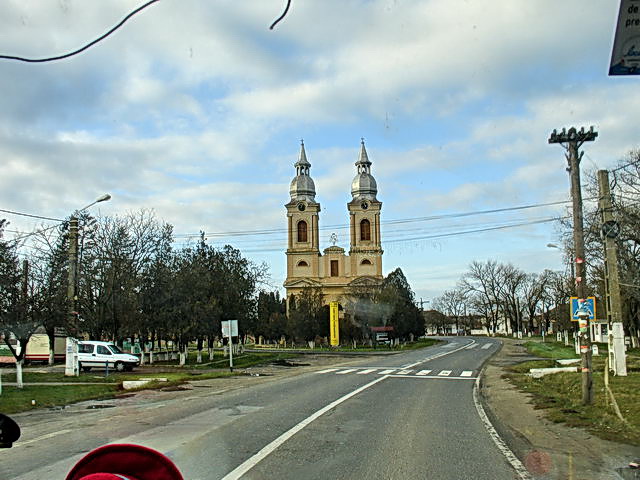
230 330
334 328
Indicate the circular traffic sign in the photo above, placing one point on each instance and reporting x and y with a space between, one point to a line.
610 229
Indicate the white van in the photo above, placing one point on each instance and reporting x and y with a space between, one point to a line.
97 354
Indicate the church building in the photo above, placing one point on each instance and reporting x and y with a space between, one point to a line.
332 270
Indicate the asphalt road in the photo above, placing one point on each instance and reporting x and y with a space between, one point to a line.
405 416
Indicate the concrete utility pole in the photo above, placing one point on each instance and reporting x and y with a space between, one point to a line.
571 141
610 231
73 272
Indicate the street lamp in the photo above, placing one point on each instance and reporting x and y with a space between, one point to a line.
73 257
571 265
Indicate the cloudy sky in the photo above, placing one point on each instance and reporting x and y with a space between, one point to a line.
196 109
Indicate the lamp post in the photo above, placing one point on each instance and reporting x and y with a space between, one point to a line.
73 261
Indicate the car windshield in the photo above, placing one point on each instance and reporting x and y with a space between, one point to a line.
309 239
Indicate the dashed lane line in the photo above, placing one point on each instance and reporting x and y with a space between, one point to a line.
466 373
368 370
486 346
424 372
346 371
248 464
444 373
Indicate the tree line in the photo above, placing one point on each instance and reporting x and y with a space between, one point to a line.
491 292
132 282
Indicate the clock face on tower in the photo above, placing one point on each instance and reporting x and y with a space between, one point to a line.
302 207
364 205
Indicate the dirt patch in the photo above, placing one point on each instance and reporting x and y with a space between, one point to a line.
569 453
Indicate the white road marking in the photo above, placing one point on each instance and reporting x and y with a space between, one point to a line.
411 364
328 370
520 469
430 377
404 372
43 437
450 345
346 371
444 373
248 464
364 372
466 373
424 372
472 346
386 372
486 345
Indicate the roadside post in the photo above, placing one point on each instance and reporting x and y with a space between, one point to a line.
230 330
71 361
334 328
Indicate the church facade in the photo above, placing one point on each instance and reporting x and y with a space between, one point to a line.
333 270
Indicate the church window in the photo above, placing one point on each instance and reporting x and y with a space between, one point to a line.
365 262
302 263
334 268
302 231
365 230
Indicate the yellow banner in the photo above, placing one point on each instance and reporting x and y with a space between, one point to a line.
334 328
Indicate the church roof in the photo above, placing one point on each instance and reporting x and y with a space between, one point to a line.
302 186
364 186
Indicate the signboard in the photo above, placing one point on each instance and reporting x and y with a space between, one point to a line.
334 327
625 57
229 328
589 304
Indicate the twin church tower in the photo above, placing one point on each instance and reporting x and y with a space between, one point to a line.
333 271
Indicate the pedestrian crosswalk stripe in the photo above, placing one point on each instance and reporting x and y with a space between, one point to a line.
328 370
486 345
473 345
403 372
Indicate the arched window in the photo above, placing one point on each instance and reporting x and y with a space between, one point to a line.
302 263
365 230
365 262
302 231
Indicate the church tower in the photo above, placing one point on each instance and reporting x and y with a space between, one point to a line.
303 250
365 252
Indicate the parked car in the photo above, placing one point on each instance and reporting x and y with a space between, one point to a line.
94 354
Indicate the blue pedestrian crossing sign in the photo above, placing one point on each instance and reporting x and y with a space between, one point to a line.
589 305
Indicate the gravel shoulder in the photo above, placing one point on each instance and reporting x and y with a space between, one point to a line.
549 450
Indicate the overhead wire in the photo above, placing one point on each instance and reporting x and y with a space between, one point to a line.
83 48
11 212
272 231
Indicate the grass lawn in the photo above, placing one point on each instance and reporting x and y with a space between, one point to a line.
560 394
14 400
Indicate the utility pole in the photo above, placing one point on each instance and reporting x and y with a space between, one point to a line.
571 141
73 273
610 231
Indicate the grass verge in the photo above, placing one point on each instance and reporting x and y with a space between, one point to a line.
14 400
560 394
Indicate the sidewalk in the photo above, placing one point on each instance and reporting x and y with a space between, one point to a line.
560 451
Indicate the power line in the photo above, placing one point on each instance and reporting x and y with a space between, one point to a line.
31 215
438 235
286 9
81 49
239 233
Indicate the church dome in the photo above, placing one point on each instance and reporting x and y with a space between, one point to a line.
364 186
302 186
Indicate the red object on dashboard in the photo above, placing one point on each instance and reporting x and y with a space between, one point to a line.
122 461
